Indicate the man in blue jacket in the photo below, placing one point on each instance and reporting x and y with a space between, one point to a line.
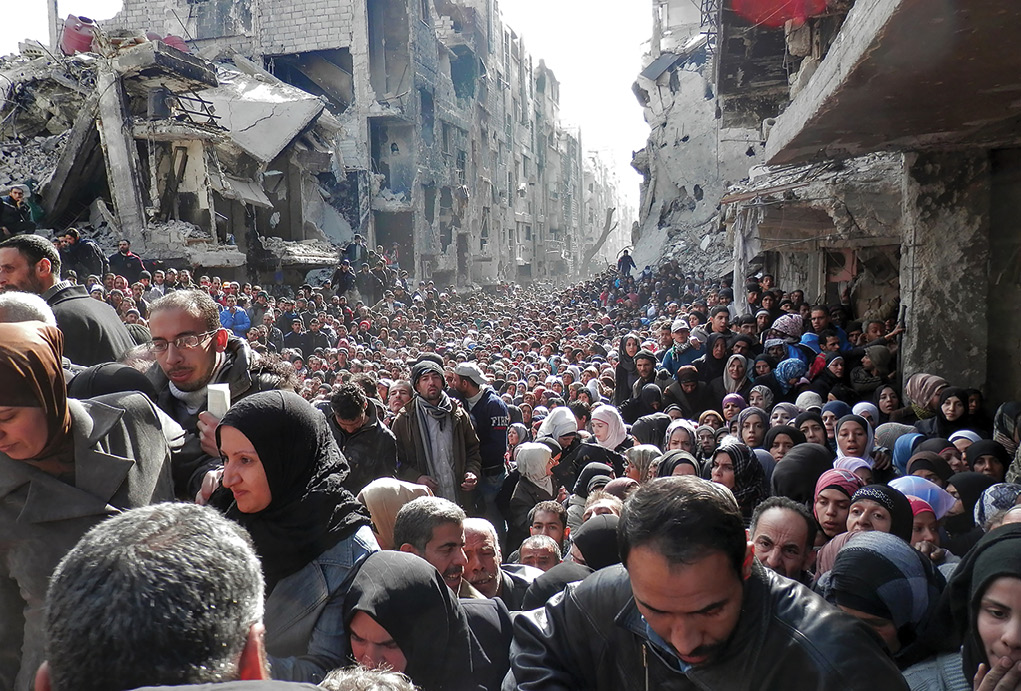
234 318
490 418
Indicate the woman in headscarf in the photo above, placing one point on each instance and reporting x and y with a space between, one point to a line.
832 374
678 462
831 412
963 438
1007 431
809 400
979 611
932 494
761 397
882 508
891 587
383 498
904 448
959 523
930 466
517 434
868 411
705 436
801 469
734 379
608 429
833 494
922 394
951 414
65 465
783 413
400 598
536 484
994 502
594 544
763 365
712 363
789 374
626 373
576 502
886 400
989 458
640 462
735 467
680 434
286 476
781 440
854 437
733 404
752 424
858 466
810 424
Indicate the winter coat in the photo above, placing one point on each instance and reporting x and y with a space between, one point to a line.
371 451
122 461
93 333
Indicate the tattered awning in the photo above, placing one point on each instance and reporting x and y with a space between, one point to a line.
667 60
244 191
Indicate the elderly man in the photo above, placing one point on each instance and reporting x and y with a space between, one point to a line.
691 608
93 333
783 534
433 528
436 443
484 571
539 551
196 568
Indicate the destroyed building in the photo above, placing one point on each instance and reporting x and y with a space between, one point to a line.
288 127
894 164
691 157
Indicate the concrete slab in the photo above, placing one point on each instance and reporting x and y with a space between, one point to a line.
909 75
262 118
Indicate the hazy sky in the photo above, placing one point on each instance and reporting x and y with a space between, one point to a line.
594 47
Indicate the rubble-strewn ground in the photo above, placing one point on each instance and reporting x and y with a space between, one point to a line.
33 159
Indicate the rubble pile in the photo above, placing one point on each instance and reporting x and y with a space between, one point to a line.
33 159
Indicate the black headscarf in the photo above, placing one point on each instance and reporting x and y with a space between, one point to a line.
927 460
649 429
310 511
709 367
793 432
407 596
997 554
669 461
110 377
586 475
986 447
901 516
596 539
796 475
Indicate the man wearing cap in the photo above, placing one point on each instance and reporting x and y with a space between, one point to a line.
490 418
259 307
15 214
681 352
436 443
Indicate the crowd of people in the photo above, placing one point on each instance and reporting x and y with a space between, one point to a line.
376 484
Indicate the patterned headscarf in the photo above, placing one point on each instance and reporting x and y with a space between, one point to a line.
999 497
749 479
791 368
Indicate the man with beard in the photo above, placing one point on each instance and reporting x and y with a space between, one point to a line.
433 528
126 263
689 607
193 350
93 333
484 571
436 443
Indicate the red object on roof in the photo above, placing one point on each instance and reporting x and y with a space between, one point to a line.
776 13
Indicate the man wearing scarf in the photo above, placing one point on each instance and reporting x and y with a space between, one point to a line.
436 443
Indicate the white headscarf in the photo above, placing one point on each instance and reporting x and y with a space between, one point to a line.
609 415
559 422
532 461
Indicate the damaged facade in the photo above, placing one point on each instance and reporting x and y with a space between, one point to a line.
692 156
894 168
423 124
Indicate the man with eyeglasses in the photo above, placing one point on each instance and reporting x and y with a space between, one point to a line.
193 350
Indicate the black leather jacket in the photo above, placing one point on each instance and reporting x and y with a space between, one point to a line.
592 636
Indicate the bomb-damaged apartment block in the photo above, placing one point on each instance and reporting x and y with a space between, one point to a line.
255 137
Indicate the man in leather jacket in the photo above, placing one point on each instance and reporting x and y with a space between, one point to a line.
690 608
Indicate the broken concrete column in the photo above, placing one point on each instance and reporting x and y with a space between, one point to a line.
946 238
121 156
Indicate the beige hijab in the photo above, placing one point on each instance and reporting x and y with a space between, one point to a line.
384 498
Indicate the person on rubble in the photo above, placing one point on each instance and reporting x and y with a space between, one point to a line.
15 213
126 263
356 252
84 254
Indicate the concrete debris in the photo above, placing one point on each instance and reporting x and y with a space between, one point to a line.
33 159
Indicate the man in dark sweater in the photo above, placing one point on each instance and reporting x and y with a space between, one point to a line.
93 333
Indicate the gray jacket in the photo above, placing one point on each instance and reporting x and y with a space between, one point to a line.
121 461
